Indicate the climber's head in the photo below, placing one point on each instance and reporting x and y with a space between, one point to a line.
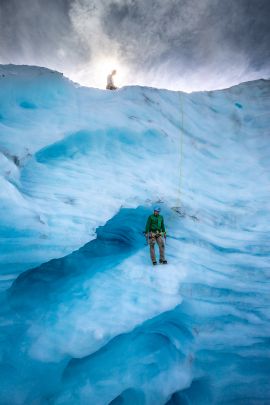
156 211
114 72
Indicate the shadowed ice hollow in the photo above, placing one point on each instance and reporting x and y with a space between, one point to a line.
85 318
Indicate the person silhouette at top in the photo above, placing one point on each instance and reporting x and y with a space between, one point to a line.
110 81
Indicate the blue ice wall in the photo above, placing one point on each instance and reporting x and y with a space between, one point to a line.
82 168
103 326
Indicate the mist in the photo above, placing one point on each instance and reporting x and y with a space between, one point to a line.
179 44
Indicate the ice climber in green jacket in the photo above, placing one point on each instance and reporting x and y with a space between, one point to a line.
155 232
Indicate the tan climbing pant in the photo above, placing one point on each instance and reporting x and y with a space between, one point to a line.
153 238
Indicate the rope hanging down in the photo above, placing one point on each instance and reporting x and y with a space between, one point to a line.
181 144
177 208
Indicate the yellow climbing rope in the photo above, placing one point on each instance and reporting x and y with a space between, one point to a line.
181 144
177 207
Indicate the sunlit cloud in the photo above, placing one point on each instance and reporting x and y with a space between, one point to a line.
188 45
95 73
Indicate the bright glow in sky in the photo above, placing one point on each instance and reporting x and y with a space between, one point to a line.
180 45
95 74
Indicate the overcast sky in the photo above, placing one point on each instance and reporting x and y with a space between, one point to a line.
177 44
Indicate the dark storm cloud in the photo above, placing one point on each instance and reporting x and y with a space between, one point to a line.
198 43
191 33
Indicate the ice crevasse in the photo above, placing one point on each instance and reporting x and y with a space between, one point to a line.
85 318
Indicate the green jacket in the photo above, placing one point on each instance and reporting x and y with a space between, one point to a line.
154 224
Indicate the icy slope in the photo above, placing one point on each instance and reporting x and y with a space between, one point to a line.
101 326
71 157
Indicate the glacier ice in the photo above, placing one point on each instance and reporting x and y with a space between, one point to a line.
85 319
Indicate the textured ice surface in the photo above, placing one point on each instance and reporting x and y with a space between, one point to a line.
100 325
